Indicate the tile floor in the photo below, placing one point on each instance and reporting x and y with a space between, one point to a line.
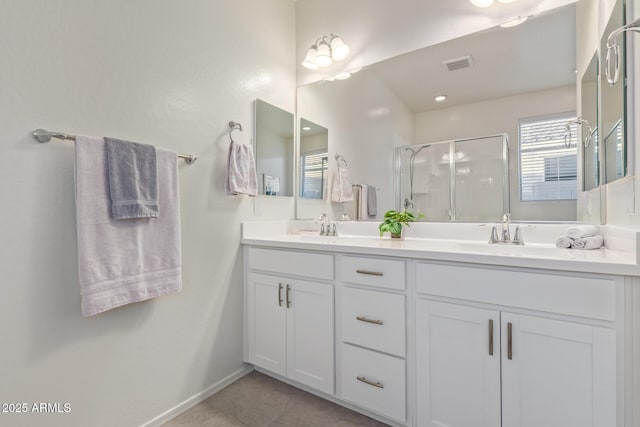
261 401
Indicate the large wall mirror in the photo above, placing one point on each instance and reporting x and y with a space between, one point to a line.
274 150
519 81
613 111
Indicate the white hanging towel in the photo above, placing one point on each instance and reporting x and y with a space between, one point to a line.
341 190
241 170
124 261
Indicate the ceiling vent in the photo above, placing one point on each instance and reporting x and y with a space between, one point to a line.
459 63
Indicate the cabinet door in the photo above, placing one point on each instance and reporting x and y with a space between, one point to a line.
267 319
458 365
557 374
310 342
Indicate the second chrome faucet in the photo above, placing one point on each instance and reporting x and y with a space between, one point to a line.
505 235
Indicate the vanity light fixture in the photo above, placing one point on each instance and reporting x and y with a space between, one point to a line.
325 51
440 98
342 76
519 20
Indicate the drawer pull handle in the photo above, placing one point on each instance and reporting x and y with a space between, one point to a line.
279 294
288 300
509 341
370 273
371 383
490 337
364 319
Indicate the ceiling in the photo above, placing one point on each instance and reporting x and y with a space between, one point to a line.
536 55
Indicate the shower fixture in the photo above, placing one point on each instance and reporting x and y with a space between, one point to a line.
408 202
613 48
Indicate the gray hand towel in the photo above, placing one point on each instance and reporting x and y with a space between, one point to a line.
133 179
372 201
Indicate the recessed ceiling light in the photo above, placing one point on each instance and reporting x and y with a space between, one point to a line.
481 3
440 98
306 128
519 20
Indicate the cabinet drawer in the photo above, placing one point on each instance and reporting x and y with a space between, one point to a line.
314 265
374 319
570 295
383 273
374 381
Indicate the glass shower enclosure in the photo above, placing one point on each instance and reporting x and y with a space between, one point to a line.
457 180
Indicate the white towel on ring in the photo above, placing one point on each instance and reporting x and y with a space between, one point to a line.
341 190
241 170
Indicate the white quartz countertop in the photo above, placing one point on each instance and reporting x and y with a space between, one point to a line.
532 255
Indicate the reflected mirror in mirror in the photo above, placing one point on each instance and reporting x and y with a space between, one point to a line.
314 160
612 114
589 128
518 81
274 150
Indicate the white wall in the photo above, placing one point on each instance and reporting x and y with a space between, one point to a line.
501 116
365 121
165 72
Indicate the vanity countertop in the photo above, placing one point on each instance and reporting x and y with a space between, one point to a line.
532 255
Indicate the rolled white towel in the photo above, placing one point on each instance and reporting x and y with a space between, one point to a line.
564 242
580 231
591 242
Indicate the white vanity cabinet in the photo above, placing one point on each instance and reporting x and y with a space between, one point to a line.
290 321
477 366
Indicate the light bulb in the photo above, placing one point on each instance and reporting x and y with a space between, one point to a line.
323 59
339 50
309 60
440 98
481 3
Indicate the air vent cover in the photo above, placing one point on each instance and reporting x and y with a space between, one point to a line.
459 63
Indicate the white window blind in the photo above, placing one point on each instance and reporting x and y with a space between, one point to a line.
314 174
547 167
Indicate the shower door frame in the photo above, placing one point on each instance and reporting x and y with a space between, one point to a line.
506 188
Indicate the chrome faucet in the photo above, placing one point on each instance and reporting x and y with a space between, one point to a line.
505 236
325 226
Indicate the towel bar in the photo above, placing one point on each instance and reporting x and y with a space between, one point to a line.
42 135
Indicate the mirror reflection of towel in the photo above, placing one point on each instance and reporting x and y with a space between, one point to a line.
341 186
372 201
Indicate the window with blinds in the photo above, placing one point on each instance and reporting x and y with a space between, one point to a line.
314 167
548 169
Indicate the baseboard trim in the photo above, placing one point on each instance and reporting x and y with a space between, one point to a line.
198 397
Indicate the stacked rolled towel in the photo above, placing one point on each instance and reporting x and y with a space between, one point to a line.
581 237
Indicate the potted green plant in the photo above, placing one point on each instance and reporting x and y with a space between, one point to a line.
394 220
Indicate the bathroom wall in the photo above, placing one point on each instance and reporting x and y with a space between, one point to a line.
158 71
472 120
366 120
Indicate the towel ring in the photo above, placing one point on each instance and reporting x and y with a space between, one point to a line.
339 159
233 126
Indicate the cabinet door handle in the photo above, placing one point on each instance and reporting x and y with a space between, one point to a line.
288 300
490 337
509 341
279 294
370 273
364 319
371 383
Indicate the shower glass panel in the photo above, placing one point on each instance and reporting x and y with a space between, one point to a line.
459 180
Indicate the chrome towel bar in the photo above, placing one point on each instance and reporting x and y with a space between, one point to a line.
42 135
